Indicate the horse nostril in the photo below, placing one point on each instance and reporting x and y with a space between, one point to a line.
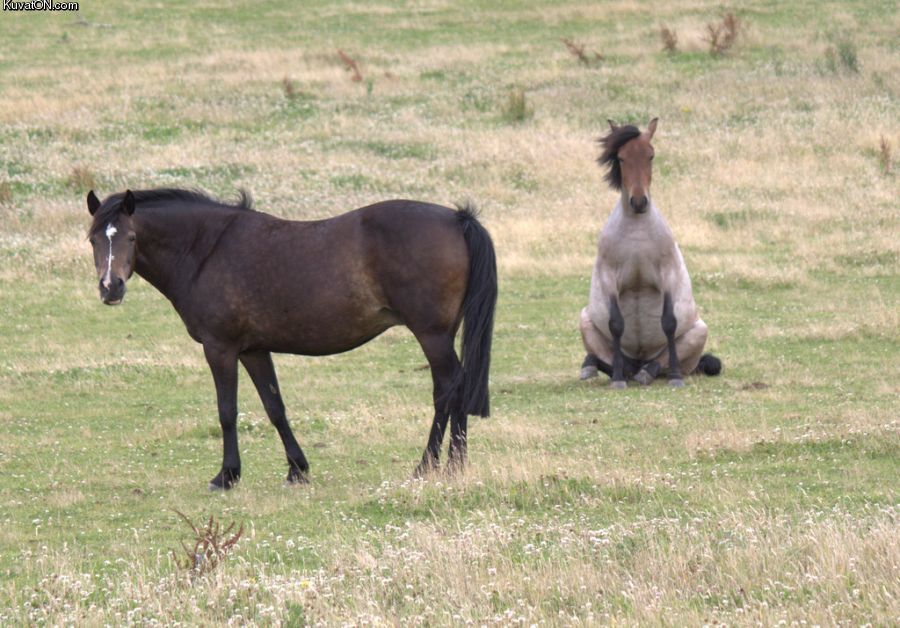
120 283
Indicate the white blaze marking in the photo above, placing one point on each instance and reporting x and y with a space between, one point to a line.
110 232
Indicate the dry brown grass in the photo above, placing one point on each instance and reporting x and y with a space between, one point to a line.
741 568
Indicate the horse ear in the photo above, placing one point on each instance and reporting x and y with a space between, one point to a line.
612 125
651 128
128 202
93 202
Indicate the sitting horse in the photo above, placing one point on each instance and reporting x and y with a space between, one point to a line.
247 284
641 318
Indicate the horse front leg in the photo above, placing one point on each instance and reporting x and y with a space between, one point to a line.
223 364
262 372
617 328
669 325
689 347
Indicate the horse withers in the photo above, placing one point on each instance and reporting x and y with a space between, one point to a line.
641 319
247 284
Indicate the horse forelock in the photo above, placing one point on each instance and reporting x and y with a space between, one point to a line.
612 142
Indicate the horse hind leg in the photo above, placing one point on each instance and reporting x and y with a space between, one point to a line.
445 372
262 372
592 366
599 351
647 373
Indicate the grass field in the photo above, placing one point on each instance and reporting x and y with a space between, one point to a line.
767 495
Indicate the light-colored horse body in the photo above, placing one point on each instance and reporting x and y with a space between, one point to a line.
641 305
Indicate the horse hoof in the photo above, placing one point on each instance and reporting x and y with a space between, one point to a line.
296 479
425 469
643 377
588 372
456 465
226 479
214 487
618 384
676 383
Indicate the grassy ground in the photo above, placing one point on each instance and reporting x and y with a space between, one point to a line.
767 494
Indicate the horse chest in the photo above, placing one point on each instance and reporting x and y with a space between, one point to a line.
640 300
636 273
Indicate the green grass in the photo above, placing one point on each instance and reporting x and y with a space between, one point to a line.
766 494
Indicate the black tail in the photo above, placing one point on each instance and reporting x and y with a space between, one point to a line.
478 314
709 364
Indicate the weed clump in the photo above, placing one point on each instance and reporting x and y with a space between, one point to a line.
721 36
885 155
352 66
211 544
5 193
842 57
289 88
517 108
669 39
579 52
81 178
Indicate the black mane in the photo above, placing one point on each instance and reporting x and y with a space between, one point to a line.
611 143
112 204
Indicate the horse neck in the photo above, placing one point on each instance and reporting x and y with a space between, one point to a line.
626 218
625 228
165 255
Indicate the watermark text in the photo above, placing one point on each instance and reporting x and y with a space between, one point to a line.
39 5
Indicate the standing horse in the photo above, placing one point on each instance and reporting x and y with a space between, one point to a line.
641 313
247 284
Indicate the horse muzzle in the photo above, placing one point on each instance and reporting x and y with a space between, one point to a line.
113 292
639 204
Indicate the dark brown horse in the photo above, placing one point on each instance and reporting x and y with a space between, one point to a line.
247 284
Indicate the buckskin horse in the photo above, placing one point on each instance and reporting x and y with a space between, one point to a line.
247 284
641 319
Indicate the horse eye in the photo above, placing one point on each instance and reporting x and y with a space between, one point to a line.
93 241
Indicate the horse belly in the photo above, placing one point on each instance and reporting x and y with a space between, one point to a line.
323 327
643 337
